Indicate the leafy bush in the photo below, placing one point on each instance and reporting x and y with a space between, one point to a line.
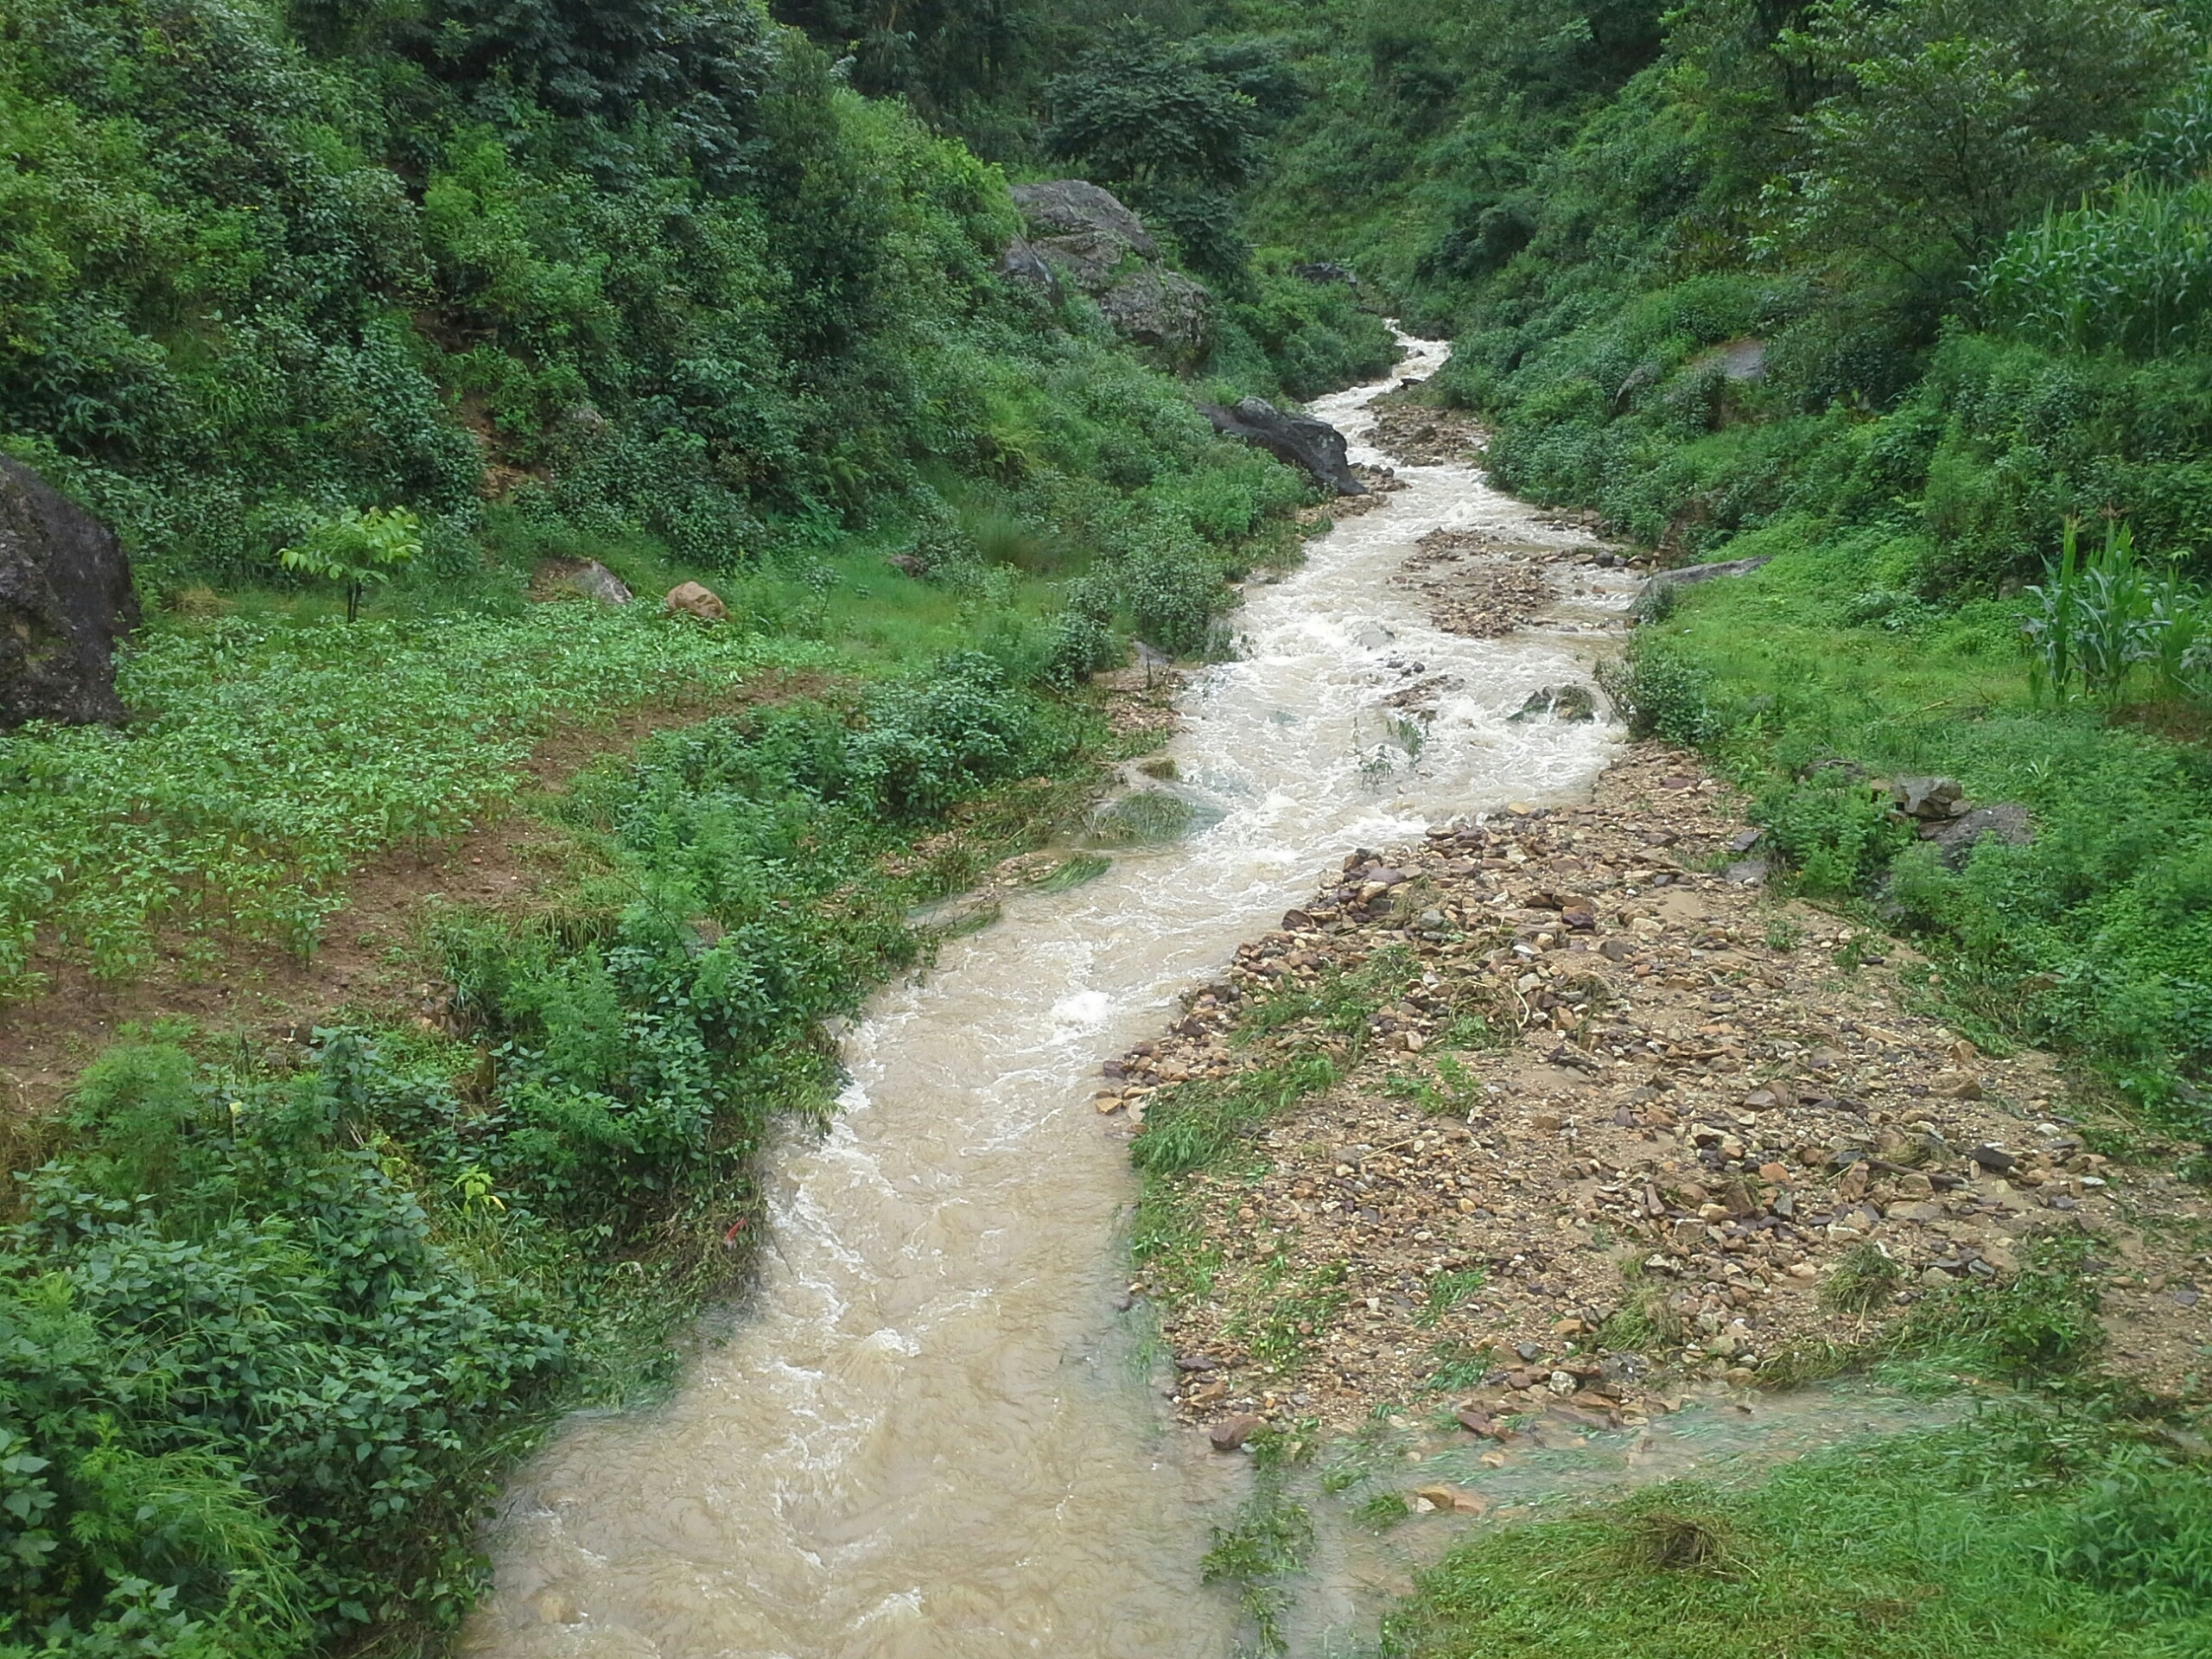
1659 693
929 742
246 1385
1838 833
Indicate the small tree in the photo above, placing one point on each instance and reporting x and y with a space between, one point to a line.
356 548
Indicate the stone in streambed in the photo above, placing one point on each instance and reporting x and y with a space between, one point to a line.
1230 1433
1567 702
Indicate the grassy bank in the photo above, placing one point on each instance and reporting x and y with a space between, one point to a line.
278 1314
1810 678
2060 1516
274 1324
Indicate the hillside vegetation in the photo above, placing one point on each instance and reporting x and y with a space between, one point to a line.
349 316
1894 294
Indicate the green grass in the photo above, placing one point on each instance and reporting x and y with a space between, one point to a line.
2093 939
274 1333
2060 1517
1948 1544
274 749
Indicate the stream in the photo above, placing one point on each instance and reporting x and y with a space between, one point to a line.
931 1433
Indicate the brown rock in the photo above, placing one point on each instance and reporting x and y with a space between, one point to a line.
692 599
1451 1498
1230 1433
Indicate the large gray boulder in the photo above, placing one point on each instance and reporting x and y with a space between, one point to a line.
1025 267
1298 439
1104 251
65 597
1159 307
1084 229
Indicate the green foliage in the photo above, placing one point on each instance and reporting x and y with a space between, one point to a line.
356 548
247 1380
2016 1530
1953 120
659 275
1836 832
2144 1530
267 1337
1446 1290
2132 271
930 741
1657 694
1196 1124
2086 937
270 759
2097 619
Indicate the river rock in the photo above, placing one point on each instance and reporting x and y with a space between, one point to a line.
1569 703
65 598
1738 360
1230 1433
693 599
1086 229
1299 440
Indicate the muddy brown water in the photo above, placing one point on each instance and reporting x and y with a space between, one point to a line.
931 1434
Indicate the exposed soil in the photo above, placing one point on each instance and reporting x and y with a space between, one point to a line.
1426 436
1692 1110
1483 587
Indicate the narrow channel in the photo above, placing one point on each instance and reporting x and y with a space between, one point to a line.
932 1435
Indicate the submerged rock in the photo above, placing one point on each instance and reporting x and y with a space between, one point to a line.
1569 703
1299 440
65 598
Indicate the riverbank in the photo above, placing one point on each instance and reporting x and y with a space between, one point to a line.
1561 1120
1600 1121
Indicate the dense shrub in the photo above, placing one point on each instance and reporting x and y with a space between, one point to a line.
245 1383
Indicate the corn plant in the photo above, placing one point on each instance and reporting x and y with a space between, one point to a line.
2132 270
2096 619
2181 639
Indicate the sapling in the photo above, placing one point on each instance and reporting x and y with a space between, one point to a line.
356 548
